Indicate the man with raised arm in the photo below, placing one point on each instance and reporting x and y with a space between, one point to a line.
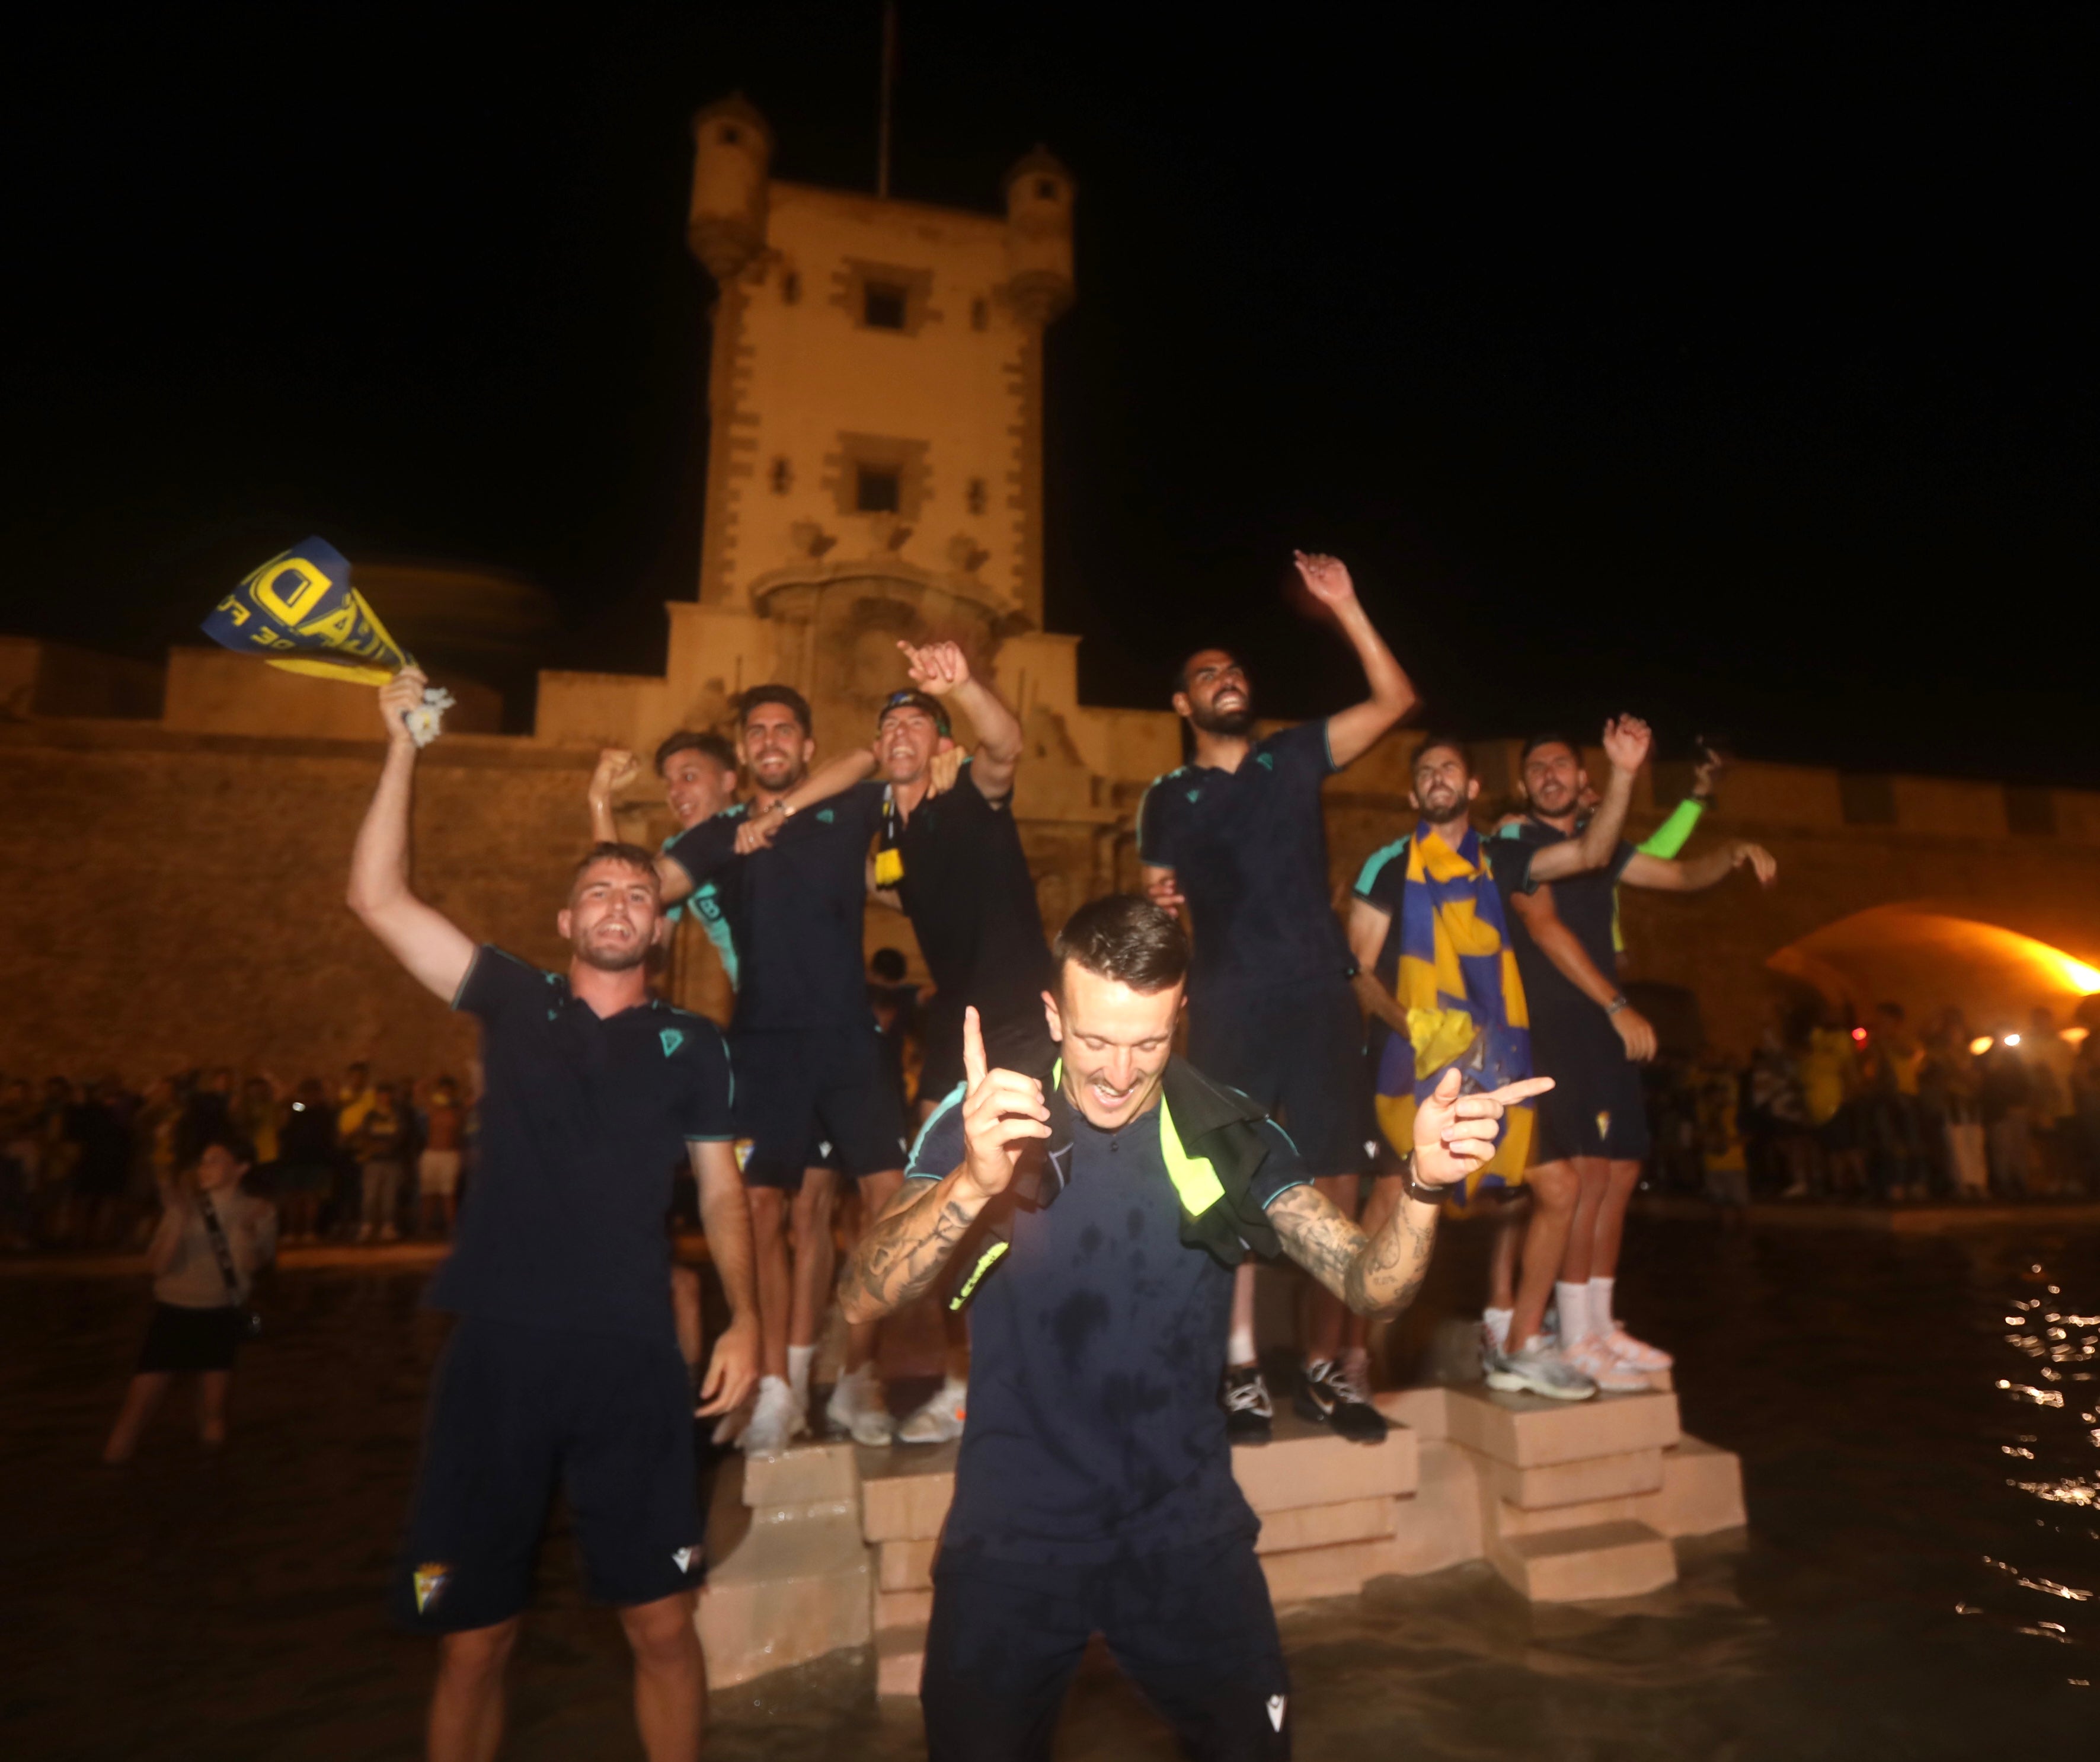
950 855
1432 905
1595 1129
1094 1490
1237 836
812 1095
563 1368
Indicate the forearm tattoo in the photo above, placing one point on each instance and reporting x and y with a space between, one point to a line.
1374 1275
898 1261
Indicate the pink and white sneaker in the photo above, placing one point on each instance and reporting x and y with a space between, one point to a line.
1593 1357
1636 1355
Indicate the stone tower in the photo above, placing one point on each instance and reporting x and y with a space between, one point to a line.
875 465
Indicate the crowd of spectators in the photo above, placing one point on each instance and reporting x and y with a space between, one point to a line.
82 1164
1825 1109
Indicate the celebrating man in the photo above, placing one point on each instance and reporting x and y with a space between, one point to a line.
1094 1491
1237 836
564 1365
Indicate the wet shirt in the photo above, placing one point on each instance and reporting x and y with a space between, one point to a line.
1586 904
193 1279
1249 851
1096 1346
794 909
583 1120
963 880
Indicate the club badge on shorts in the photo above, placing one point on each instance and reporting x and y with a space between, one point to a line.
684 1557
431 1579
1603 1124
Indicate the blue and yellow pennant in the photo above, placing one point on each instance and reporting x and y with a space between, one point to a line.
299 612
1464 999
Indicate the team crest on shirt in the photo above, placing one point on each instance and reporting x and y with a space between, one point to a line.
825 814
431 1579
1267 761
683 1557
673 1039
1194 794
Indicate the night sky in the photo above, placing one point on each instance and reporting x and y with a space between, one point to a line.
1728 364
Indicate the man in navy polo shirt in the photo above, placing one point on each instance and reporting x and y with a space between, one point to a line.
1094 1489
812 1092
564 1364
1236 836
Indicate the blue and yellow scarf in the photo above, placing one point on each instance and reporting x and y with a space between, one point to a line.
1458 983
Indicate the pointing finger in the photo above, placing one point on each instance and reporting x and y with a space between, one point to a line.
973 1052
1521 1091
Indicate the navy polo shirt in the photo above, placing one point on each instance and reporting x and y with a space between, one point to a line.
1249 849
1096 1345
794 909
1586 904
584 1120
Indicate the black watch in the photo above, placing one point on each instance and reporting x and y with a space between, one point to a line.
1419 1191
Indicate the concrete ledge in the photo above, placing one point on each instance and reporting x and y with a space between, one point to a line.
1440 1526
786 1594
1305 1464
1420 1411
1307 1572
801 1476
902 1609
905 1493
907 1565
1579 1482
1702 1490
1589 1564
1529 1431
900 1660
1355 1520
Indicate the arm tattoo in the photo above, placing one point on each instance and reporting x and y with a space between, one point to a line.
898 1261
1376 1275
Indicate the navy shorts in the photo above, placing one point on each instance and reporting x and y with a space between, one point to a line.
1596 1107
517 1411
1298 1051
813 1098
1191 1628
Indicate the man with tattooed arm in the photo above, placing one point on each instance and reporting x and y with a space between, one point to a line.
1093 1224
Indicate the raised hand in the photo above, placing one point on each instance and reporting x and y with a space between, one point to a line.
1163 888
1002 1110
399 695
1326 578
616 769
1454 1134
1760 860
937 668
1627 739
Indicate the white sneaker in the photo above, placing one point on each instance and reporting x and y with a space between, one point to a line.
858 1407
775 1422
1636 1355
1593 1357
1536 1368
940 1418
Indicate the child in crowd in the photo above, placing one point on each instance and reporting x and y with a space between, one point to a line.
212 1238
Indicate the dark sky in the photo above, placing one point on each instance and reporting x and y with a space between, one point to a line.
1727 363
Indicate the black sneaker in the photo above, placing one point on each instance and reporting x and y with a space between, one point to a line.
1244 1398
1324 1397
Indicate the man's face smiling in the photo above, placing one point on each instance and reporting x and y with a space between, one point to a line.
1115 1043
1444 786
907 740
1217 699
776 747
696 786
614 916
1553 779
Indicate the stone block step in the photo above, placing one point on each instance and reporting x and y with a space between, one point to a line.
1353 1520
802 1474
1440 1526
907 1565
1702 1490
1530 1431
905 1491
1306 1465
902 1609
900 1660
1580 1482
1307 1572
1586 1565
1422 1410
784 1585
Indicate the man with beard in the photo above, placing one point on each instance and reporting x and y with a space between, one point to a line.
811 1093
1092 1219
1434 905
1595 1127
563 1366
950 855
1236 836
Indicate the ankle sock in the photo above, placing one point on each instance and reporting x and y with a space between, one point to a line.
1239 1348
1498 1321
1574 1302
799 1360
1601 1318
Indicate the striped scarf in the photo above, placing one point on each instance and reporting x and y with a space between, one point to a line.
1464 1000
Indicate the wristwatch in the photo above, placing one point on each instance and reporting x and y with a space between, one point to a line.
1418 1191
1618 1002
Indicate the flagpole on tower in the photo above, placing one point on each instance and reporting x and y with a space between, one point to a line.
888 82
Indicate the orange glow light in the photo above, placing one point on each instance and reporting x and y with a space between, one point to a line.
1980 1045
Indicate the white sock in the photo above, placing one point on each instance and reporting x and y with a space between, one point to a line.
799 1359
1601 1318
1498 1323
1574 1301
765 1382
1239 1347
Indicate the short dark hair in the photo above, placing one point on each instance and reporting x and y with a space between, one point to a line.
1126 937
1181 672
611 850
1551 737
1430 742
786 695
888 965
691 740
